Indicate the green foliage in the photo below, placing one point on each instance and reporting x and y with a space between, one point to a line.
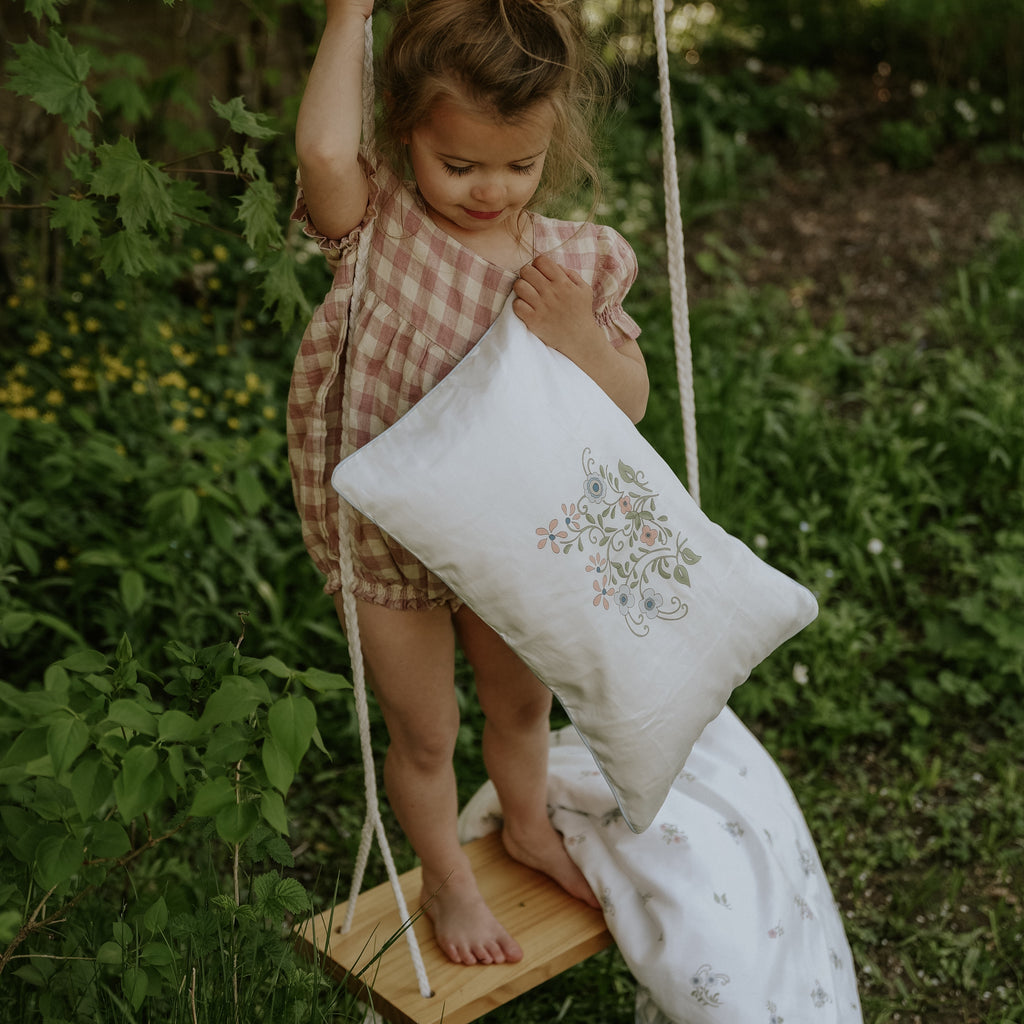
135 206
107 765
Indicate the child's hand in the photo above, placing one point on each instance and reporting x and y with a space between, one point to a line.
558 306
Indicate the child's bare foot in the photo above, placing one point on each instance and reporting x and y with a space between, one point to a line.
546 852
465 929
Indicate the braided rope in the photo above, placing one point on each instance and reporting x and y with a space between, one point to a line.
373 823
676 260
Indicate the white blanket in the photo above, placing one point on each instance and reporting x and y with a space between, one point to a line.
721 908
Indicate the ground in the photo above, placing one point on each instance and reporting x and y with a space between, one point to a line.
876 242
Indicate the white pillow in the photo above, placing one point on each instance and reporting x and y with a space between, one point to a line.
524 487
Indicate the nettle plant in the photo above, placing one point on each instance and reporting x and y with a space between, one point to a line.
124 206
108 771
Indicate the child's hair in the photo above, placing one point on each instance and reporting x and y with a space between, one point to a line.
503 56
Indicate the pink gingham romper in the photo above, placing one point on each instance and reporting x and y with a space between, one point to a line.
428 300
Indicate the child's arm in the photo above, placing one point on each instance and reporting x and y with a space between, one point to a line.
558 306
330 117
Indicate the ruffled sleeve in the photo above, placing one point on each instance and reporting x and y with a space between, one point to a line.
338 251
616 271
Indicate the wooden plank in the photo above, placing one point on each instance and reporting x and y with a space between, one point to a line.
554 930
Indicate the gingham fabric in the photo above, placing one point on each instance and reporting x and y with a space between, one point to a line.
428 300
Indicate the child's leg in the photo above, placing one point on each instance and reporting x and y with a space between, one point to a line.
517 707
410 656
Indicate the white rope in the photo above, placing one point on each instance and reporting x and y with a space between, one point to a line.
373 823
676 260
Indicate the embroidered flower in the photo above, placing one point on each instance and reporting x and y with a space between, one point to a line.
604 591
651 603
550 535
624 600
594 488
819 996
672 834
625 504
571 517
649 536
596 564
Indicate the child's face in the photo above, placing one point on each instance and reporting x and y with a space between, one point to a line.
475 173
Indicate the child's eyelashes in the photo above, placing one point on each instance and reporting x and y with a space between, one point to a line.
460 170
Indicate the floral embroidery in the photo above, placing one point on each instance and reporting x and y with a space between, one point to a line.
777 932
605 899
819 996
805 910
639 563
723 900
806 860
734 828
611 817
775 1018
672 834
550 535
704 982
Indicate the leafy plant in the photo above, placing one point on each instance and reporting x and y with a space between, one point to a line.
108 769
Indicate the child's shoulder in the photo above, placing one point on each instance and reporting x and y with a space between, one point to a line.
587 237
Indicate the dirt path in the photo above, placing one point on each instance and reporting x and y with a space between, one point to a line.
877 242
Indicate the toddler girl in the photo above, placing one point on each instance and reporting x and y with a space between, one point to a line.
483 101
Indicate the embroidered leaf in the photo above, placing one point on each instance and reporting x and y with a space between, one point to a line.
681 575
689 557
626 472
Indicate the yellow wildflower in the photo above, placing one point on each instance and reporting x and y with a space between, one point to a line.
49 417
165 330
252 381
14 301
220 253
222 349
194 392
248 325
198 412
120 305
139 387
269 412
62 564
41 345
174 379
233 422
179 405
28 282
92 325
85 278
242 398
179 425
66 351
54 397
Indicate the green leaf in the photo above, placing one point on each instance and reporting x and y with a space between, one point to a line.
84 661
282 292
78 217
40 9
129 714
237 698
277 764
212 797
681 575
176 766
323 682
175 726
272 809
135 985
291 722
133 590
139 786
245 122
155 918
141 187
689 557
128 252
236 822
108 840
250 491
258 210
91 785
110 953
57 858
275 666
54 78
10 179
65 740
27 747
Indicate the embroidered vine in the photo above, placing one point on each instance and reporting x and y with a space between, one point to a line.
634 553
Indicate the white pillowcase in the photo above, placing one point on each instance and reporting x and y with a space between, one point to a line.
524 487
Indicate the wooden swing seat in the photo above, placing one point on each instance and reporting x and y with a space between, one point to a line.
555 931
